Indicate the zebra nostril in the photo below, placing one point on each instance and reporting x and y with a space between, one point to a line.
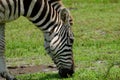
65 73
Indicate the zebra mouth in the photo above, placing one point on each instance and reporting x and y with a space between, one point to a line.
65 73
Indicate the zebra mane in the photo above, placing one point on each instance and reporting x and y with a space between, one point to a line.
59 2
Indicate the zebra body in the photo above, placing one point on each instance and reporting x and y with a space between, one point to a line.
48 17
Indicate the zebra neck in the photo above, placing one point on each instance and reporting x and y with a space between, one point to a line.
42 14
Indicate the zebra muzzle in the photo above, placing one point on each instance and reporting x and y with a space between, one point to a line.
65 73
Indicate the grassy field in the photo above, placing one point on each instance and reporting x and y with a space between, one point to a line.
96 48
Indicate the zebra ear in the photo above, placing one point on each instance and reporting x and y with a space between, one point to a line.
65 15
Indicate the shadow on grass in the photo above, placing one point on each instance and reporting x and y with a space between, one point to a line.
50 77
53 76
40 76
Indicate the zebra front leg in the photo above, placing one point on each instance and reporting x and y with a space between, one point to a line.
3 69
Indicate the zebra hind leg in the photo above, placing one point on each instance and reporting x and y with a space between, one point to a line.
3 69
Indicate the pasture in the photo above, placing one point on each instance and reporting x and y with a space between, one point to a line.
96 48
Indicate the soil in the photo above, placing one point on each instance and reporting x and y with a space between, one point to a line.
18 70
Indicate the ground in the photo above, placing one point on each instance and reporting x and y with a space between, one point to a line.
27 69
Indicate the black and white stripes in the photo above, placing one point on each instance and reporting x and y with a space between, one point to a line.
53 19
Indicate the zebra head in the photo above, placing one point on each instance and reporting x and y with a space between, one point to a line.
65 58
60 46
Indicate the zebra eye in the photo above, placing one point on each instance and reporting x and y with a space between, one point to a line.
71 40
71 36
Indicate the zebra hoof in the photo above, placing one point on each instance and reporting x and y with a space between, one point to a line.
11 79
65 73
7 76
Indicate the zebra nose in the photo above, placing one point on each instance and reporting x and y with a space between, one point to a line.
65 73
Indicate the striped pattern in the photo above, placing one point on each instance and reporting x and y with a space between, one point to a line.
57 5
48 16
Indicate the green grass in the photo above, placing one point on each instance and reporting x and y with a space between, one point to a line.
96 48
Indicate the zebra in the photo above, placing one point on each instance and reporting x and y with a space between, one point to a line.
53 23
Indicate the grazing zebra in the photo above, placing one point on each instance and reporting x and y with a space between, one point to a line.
54 23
